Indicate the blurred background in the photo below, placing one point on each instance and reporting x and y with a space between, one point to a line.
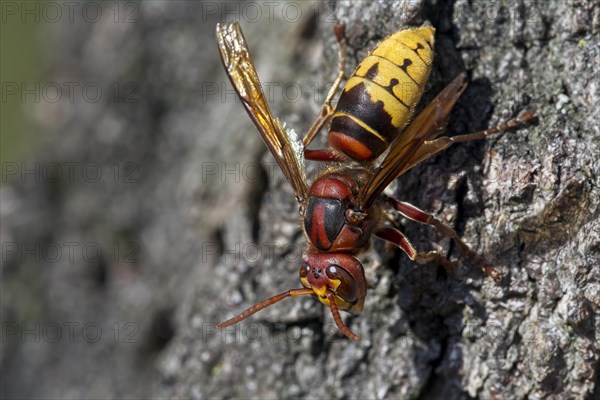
139 207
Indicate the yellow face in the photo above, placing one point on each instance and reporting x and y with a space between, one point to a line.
321 291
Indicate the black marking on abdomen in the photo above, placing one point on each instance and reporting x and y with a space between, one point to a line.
357 101
404 67
372 72
420 47
348 127
390 89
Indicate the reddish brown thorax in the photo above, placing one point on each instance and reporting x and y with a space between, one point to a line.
334 221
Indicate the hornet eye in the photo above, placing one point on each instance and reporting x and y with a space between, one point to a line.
304 270
347 287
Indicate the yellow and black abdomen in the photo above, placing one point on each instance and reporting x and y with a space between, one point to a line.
380 97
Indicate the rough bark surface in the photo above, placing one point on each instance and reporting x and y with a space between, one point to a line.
213 227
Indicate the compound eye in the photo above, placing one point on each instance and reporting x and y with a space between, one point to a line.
335 272
304 270
347 287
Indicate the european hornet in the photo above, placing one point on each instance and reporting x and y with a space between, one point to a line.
344 206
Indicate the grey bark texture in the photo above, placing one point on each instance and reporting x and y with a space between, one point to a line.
206 225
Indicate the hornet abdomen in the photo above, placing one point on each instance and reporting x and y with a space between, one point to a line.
380 97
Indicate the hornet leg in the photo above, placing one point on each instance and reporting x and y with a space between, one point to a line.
412 212
327 110
396 237
434 146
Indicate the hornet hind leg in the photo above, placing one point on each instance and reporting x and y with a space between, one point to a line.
327 110
415 214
